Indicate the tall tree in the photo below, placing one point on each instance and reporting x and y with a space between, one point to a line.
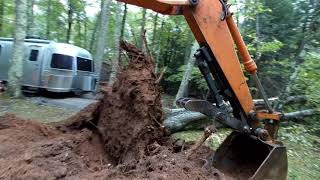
101 41
142 28
257 43
124 19
155 26
48 19
188 48
30 23
94 32
123 25
16 69
71 9
117 37
1 16
183 89
157 46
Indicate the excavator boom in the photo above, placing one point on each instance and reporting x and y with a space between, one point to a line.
217 34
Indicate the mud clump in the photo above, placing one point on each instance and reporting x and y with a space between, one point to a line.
121 137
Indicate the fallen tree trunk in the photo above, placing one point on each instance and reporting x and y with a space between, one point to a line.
175 119
295 99
288 100
178 119
301 114
261 101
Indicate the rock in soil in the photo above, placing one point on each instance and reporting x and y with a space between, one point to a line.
121 138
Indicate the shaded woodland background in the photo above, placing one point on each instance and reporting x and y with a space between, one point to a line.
282 36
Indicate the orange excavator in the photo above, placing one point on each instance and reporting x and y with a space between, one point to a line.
251 151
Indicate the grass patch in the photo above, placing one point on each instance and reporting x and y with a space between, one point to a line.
303 152
25 108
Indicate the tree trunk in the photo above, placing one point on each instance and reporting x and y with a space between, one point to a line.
182 92
258 54
188 49
117 37
30 23
178 119
301 114
123 25
1 16
157 49
49 11
124 19
70 20
79 29
154 34
94 33
86 39
16 69
142 26
102 34
296 99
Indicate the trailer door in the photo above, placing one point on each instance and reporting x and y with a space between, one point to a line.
32 66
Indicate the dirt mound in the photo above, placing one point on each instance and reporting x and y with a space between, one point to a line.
120 138
30 150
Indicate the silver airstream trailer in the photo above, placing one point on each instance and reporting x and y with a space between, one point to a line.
55 67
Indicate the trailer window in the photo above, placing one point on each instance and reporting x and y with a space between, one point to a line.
60 61
84 64
33 55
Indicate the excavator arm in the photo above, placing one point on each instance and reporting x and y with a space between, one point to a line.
217 58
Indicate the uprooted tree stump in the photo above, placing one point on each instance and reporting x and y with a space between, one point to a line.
131 112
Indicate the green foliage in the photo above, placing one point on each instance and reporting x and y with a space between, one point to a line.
8 19
307 82
197 82
273 46
303 153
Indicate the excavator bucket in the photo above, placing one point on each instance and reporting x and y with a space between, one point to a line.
245 157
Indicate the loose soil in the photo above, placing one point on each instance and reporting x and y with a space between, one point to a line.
120 138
